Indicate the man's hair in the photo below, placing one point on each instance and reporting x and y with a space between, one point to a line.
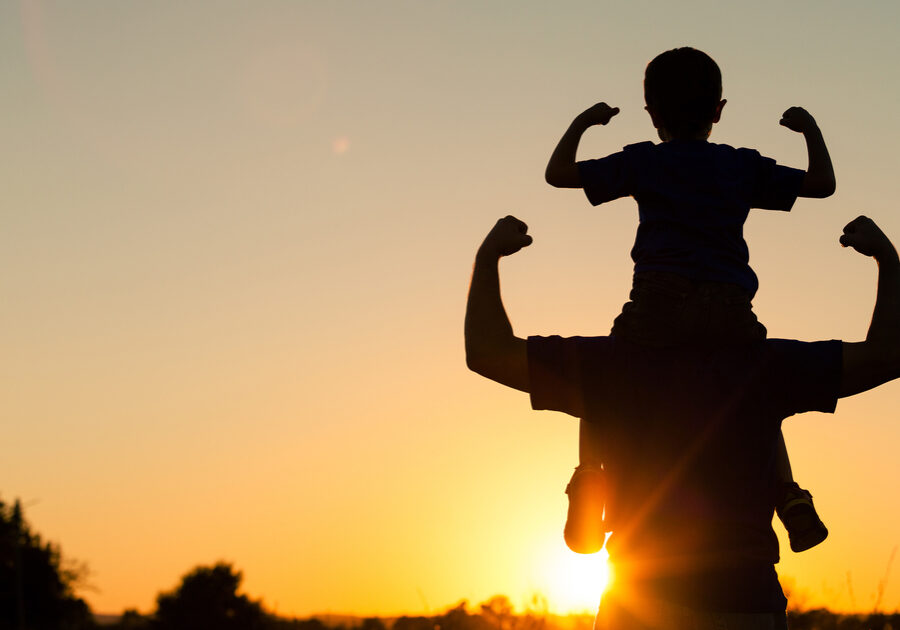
683 86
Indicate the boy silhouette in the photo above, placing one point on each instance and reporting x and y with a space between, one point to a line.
692 284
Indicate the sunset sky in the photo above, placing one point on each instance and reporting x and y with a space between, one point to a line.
235 245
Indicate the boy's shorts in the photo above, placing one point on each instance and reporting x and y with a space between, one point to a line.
668 310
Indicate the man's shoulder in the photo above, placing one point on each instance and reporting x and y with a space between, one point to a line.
594 351
795 356
776 347
611 346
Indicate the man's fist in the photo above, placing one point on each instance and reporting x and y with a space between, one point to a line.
863 235
508 236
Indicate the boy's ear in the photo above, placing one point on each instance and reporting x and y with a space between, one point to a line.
719 110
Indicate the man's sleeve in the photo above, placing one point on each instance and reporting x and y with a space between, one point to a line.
555 375
808 375
774 187
607 178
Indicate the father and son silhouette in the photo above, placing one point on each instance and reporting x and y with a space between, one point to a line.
682 461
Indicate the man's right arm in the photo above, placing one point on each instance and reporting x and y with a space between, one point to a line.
562 169
492 349
876 360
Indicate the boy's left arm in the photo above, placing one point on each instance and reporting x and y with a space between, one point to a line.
819 180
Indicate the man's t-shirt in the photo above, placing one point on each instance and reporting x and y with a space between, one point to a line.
688 439
693 198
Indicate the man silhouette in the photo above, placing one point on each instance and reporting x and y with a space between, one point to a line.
691 439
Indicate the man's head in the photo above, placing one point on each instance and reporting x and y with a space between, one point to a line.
683 92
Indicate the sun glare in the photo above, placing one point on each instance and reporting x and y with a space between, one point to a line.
575 582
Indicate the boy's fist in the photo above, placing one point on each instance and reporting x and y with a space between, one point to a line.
863 235
508 236
798 119
599 114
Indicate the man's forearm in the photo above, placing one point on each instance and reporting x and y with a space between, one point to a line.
492 349
884 331
486 318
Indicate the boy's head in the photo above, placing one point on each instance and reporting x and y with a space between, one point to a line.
683 92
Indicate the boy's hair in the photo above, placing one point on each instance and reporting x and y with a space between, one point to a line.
683 86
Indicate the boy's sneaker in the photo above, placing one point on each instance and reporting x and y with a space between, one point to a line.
795 509
585 530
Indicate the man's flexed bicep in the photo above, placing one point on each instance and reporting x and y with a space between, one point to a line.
876 360
492 349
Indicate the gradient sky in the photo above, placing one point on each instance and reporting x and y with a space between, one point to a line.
236 242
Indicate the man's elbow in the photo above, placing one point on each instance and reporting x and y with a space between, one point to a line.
485 366
475 362
479 357
551 178
562 178
506 365
867 365
819 189
826 189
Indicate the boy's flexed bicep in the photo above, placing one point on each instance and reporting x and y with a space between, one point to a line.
818 181
562 171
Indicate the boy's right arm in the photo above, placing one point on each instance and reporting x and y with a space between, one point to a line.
562 171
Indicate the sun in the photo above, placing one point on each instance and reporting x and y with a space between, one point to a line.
574 582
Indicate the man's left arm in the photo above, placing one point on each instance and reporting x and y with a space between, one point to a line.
876 360
492 349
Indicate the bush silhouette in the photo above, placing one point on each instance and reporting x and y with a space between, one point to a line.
207 599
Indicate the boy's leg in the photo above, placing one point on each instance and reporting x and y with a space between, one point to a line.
652 316
783 462
585 531
795 507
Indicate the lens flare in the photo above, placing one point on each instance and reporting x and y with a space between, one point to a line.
575 582
340 145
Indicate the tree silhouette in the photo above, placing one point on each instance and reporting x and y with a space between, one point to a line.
36 591
207 599
498 612
132 620
413 623
458 618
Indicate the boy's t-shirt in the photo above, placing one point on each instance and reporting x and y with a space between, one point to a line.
693 198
